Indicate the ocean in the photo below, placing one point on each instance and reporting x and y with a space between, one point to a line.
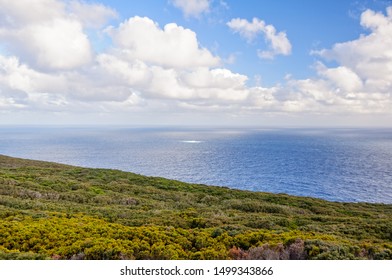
347 165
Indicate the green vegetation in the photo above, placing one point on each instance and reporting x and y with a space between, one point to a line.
54 211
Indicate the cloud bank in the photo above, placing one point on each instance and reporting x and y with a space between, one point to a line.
153 68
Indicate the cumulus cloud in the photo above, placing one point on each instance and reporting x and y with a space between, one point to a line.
173 46
92 15
18 14
58 70
59 45
197 85
342 77
277 41
20 77
359 84
179 69
132 71
114 70
56 40
216 78
192 8
363 80
370 56
24 88
246 29
165 68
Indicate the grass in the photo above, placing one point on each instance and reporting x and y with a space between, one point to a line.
55 211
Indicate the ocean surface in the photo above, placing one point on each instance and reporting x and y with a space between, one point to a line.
352 165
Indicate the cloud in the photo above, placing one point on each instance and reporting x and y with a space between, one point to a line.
24 88
92 15
246 29
362 81
114 70
116 76
56 40
342 77
192 8
20 77
59 45
198 85
18 14
173 46
215 78
277 42
59 72
148 68
369 56
11 99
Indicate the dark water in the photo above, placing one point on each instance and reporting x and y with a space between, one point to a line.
334 164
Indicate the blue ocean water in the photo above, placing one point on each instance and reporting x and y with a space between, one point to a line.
353 165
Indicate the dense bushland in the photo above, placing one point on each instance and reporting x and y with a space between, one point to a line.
54 211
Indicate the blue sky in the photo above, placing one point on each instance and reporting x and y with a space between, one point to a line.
196 62
309 24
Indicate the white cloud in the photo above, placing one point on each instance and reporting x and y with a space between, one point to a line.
216 78
20 77
56 40
246 29
24 88
157 82
92 15
18 14
114 70
363 80
277 42
133 73
59 44
199 85
341 77
57 71
370 56
172 46
151 69
192 8
263 99
376 21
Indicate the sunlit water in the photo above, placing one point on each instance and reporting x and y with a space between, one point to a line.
333 164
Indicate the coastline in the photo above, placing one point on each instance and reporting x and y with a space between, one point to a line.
57 211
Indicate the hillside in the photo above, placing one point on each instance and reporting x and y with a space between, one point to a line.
55 211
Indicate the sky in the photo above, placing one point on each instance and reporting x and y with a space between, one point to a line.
196 62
